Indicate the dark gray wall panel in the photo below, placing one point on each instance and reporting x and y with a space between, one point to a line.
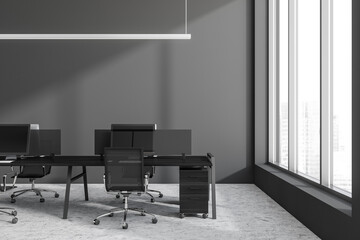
356 118
204 84
324 220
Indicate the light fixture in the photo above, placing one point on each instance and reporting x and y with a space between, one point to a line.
58 36
93 36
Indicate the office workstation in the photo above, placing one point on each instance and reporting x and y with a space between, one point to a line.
40 149
265 87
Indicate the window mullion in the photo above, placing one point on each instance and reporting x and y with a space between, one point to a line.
293 80
273 65
326 93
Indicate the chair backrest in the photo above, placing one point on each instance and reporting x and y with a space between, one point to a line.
34 150
102 140
42 142
124 169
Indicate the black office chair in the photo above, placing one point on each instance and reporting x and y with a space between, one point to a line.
8 211
124 174
11 212
33 172
150 171
136 136
42 142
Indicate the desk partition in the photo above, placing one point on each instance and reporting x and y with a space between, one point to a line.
165 141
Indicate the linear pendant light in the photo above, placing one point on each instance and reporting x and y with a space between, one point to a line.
57 36
93 36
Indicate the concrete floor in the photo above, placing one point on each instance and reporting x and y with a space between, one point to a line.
244 212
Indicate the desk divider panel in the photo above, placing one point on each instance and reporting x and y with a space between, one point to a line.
165 141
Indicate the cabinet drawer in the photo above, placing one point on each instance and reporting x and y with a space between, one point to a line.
194 204
199 188
193 176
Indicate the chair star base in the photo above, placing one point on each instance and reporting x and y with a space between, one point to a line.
125 210
37 191
11 212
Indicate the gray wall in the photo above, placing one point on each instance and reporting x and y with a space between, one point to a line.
204 84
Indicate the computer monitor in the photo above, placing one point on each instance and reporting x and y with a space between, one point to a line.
14 139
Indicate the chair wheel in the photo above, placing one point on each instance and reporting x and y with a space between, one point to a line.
14 220
96 221
205 215
14 213
42 200
117 196
152 200
181 215
111 215
154 220
13 200
56 195
160 195
12 196
143 213
125 226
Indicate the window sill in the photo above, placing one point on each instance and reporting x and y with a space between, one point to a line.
324 196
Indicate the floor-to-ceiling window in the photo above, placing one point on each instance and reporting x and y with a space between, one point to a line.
310 90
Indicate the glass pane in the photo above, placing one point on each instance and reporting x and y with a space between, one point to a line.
283 83
308 129
342 77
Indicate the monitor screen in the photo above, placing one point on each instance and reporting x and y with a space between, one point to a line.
14 139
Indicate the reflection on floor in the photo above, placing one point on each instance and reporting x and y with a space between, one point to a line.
244 212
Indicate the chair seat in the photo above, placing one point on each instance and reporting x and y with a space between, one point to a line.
126 188
28 175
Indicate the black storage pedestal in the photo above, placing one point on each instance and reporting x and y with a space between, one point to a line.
194 191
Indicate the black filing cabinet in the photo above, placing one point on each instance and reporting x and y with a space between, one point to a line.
194 191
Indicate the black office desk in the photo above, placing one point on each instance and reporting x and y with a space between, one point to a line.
86 161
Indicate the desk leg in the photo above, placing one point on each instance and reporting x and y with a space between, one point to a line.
67 192
213 192
85 184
